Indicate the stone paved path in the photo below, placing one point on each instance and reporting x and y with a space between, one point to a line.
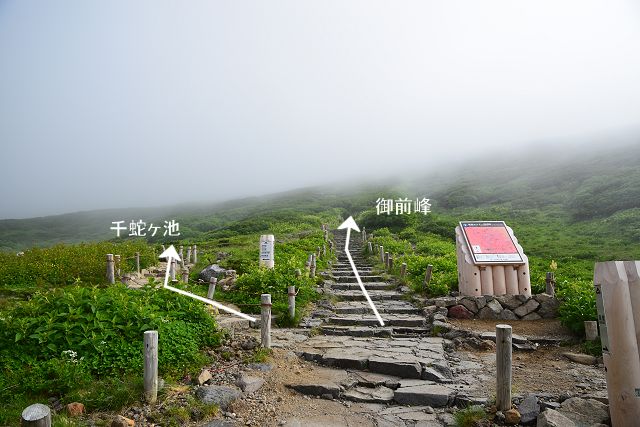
399 367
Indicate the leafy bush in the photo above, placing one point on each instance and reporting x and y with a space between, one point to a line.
578 304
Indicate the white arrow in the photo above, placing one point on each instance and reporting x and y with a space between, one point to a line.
171 253
351 224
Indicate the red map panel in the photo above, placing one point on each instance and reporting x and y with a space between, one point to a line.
490 242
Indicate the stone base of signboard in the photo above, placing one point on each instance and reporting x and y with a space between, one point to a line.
506 307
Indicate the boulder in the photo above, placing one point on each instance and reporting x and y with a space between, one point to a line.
583 359
529 409
481 302
507 314
552 418
75 409
511 417
509 301
529 307
204 376
460 312
121 421
470 304
213 270
532 316
491 310
249 384
585 411
219 395
548 306
446 302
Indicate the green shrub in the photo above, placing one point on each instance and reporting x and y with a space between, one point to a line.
578 304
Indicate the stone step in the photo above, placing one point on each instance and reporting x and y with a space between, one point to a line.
368 320
362 307
358 331
367 286
346 279
375 295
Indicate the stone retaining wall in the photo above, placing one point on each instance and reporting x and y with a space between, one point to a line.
507 307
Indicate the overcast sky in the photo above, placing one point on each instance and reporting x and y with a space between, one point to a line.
119 103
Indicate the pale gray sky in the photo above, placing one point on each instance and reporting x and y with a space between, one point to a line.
115 103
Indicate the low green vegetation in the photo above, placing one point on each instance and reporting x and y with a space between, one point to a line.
469 417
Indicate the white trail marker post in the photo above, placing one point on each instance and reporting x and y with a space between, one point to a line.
351 224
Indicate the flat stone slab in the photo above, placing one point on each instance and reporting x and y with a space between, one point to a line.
433 395
221 396
368 320
352 278
362 307
380 394
367 285
375 295
404 368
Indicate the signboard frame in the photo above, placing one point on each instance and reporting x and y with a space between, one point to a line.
476 261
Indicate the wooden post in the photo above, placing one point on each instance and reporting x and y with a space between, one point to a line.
195 254
386 260
390 263
117 262
212 287
312 266
324 251
291 291
181 253
551 283
172 272
591 330
298 273
265 320
188 254
111 278
427 275
503 367
151 366
185 275
382 254
36 415
370 248
138 262
403 269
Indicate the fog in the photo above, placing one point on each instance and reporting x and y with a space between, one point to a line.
125 104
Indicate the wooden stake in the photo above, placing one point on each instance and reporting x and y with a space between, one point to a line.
138 262
172 272
427 275
403 269
212 287
386 260
503 367
291 291
551 283
151 366
111 278
195 254
117 262
185 275
382 254
36 415
370 247
591 330
189 255
265 320
390 263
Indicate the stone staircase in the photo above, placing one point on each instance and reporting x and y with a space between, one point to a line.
398 364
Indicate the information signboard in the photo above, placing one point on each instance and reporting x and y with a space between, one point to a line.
490 242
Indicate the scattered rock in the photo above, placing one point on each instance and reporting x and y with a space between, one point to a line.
529 409
262 367
512 417
585 411
433 395
121 421
75 409
249 384
249 343
317 389
552 418
396 367
213 270
220 395
583 359
204 376
460 312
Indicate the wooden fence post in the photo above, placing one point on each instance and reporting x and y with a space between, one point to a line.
403 269
298 273
265 320
138 262
111 278
188 254
551 283
312 266
195 254
291 291
370 248
503 367
390 263
591 330
36 415
212 287
386 260
151 366
382 254
172 269
117 262
185 275
427 275
181 254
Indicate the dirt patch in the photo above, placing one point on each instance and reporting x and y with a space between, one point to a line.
550 328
